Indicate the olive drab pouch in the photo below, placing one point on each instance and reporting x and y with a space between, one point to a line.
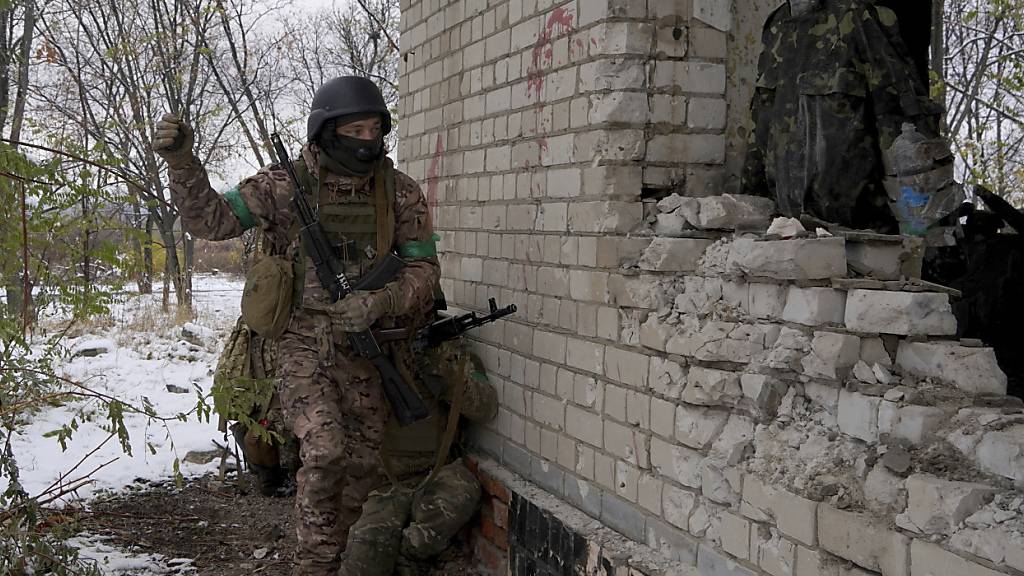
267 297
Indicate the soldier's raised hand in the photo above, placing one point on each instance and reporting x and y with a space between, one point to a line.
172 140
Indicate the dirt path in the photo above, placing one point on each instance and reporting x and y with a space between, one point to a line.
229 528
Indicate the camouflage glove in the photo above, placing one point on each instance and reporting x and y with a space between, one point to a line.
359 310
172 140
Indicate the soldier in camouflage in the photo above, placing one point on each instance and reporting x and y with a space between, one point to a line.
331 398
408 523
835 84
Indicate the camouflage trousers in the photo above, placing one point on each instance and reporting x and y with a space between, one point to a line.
333 403
403 527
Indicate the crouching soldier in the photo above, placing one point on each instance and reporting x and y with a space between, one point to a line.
432 495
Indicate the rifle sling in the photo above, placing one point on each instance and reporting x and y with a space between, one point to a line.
450 430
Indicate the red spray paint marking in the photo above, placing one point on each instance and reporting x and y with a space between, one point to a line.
433 172
558 23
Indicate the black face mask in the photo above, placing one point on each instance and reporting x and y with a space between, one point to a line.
350 156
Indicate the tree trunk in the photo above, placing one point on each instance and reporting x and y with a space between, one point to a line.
24 59
6 14
938 67
146 280
189 244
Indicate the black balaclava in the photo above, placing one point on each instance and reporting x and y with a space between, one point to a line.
346 155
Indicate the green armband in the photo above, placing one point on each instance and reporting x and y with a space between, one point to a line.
238 207
419 248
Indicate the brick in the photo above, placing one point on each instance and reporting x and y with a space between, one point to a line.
630 368
698 427
709 387
583 495
767 301
549 346
676 545
832 355
615 402
789 259
814 306
1002 452
663 415
614 38
584 426
678 504
937 506
858 415
711 563
626 443
623 517
674 254
586 285
864 541
604 217
650 489
678 463
735 534
901 313
796 517
636 291
931 560
775 554
619 107
973 370
585 355
548 476
517 460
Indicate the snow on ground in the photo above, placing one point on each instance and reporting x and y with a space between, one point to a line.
139 353
112 561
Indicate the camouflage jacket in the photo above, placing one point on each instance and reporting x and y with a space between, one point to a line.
833 89
267 199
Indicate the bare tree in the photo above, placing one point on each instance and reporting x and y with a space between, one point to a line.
983 85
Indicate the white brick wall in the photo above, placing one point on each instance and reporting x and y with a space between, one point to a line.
534 126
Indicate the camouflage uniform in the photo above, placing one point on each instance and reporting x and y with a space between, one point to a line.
406 524
834 87
331 398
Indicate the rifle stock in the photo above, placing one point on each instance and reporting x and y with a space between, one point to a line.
406 404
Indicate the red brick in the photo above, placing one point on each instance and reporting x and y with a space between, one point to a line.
492 533
500 514
494 487
493 561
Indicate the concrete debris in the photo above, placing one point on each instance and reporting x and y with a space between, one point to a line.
896 459
728 212
786 228
864 373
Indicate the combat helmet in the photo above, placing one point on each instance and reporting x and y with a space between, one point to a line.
344 96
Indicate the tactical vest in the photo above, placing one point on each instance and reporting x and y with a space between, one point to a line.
361 227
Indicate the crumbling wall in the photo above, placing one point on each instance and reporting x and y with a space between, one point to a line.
744 405
761 403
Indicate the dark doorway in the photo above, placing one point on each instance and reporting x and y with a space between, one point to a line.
915 18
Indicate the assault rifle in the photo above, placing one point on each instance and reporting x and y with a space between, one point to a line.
405 403
454 326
